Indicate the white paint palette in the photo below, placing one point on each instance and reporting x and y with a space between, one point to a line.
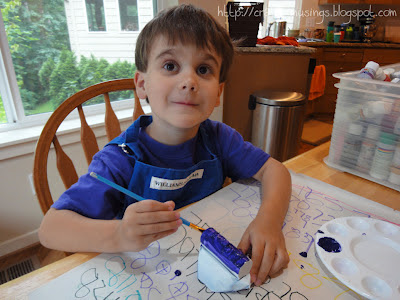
362 253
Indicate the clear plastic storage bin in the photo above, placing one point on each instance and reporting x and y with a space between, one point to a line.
366 130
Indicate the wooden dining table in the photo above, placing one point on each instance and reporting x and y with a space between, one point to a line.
309 163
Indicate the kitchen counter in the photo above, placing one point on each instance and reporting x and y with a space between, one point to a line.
352 45
276 49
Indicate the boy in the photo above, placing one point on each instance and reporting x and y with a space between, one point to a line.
177 156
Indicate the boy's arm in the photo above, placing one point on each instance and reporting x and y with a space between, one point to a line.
143 223
264 234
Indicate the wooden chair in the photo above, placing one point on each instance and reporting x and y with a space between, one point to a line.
48 136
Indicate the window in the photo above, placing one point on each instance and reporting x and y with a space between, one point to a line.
278 11
95 15
43 61
129 15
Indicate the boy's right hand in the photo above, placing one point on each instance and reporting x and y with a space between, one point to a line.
147 221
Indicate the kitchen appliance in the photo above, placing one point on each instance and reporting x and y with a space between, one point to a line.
243 25
367 28
279 29
368 32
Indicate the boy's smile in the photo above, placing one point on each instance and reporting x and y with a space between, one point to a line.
182 85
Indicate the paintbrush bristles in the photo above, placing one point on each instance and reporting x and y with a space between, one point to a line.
196 227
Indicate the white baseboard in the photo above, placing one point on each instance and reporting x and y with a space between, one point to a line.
19 242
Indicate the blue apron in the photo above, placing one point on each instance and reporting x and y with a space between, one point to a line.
183 186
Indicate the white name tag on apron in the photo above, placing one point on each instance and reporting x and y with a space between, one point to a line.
174 184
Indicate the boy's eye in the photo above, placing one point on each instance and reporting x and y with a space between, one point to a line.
204 70
170 66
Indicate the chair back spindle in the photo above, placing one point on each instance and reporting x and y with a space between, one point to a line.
88 139
89 143
113 129
65 165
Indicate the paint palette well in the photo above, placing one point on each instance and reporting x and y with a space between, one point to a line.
362 253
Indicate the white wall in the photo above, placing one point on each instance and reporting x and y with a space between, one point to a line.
20 213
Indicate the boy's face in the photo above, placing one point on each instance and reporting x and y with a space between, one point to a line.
181 83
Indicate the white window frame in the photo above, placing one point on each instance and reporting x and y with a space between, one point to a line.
87 19
119 18
12 99
8 81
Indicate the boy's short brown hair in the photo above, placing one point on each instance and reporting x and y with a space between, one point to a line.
187 24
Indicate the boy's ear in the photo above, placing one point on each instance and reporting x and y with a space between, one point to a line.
220 89
139 84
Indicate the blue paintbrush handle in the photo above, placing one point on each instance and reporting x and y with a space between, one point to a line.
125 191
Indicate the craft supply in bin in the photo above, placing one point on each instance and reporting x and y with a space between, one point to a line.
366 129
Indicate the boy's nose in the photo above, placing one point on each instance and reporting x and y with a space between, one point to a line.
189 83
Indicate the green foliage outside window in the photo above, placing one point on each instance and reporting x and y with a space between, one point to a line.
47 71
3 118
67 76
36 30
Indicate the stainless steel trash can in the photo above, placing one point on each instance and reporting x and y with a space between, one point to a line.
277 122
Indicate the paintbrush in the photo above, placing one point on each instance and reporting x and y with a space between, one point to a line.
219 247
137 197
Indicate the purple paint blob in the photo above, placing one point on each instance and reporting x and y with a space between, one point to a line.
329 244
219 246
304 254
178 273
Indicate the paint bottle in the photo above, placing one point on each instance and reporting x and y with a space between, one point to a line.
396 74
374 111
380 75
395 80
389 122
367 149
356 34
369 71
349 32
342 31
351 146
384 152
329 31
394 176
396 129
390 72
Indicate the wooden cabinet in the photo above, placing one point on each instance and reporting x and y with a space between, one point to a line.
338 60
384 57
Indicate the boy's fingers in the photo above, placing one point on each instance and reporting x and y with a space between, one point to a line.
256 257
158 228
156 217
153 237
244 244
265 264
152 205
281 261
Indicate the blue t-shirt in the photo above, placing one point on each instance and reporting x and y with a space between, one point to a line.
94 199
